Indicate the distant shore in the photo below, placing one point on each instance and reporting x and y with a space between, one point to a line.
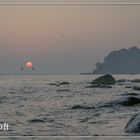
86 73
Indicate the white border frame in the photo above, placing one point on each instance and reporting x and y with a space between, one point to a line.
71 2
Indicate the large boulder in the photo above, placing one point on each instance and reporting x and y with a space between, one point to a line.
133 125
104 80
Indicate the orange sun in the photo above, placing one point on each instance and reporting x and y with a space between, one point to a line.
29 64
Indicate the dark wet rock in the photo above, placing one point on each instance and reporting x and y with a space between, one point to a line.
89 86
124 101
133 125
63 90
99 122
11 92
19 113
105 86
92 86
98 86
48 119
53 84
3 99
84 120
36 120
97 114
125 83
130 94
135 81
121 81
136 87
64 83
128 86
82 107
104 80
128 101
57 85
104 105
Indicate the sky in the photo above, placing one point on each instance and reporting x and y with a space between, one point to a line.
64 39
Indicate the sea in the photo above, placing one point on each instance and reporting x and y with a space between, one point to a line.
63 107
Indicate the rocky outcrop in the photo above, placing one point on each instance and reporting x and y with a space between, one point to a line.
104 80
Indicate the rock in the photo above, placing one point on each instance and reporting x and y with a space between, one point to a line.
64 83
125 83
132 94
53 84
82 107
57 85
121 81
136 87
106 105
36 120
92 86
128 86
98 86
104 80
124 101
105 86
135 81
133 125
63 90
128 101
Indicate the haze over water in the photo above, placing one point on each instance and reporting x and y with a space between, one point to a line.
64 39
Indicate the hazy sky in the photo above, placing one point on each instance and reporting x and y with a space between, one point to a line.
64 39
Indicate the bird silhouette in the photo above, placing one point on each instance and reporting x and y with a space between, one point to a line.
22 69
33 68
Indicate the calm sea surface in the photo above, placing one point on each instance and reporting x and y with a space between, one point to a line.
40 106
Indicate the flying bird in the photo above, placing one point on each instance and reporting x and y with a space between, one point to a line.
33 68
22 68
